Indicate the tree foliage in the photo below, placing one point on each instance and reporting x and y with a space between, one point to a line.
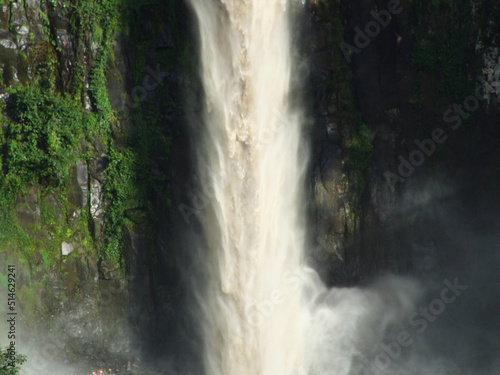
7 358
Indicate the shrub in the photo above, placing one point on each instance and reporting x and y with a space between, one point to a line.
41 138
6 359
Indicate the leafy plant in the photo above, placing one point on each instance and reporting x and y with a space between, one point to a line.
446 48
8 358
46 128
449 60
41 139
360 156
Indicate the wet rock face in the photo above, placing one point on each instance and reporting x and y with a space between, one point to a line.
348 226
96 207
19 27
97 168
374 233
28 210
80 177
331 200
19 24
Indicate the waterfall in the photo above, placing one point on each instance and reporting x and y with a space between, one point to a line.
251 165
261 309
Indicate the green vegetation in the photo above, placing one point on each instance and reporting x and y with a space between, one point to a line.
9 358
39 141
42 138
446 54
360 157
63 115
448 61
45 129
122 188
135 175
99 19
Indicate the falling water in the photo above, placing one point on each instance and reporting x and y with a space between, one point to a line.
262 310
252 165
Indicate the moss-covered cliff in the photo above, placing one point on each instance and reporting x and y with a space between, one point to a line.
92 98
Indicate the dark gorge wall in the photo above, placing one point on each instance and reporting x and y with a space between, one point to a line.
97 177
401 76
